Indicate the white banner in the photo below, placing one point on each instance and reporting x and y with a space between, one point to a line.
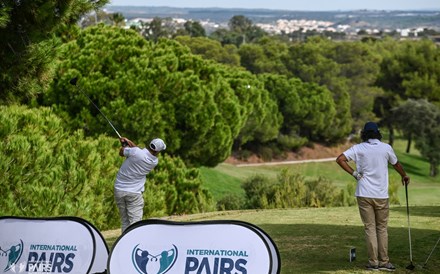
53 245
101 250
212 247
275 255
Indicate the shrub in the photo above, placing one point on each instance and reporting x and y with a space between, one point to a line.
265 153
257 189
291 142
244 154
291 190
230 202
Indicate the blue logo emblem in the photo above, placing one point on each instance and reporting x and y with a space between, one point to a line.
12 254
147 263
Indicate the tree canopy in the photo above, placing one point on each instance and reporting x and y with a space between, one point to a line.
50 170
159 89
421 119
28 43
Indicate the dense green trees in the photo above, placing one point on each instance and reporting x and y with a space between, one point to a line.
265 56
412 70
194 29
306 109
420 119
161 89
311 62
409 70
211 49
28 43
48 170
241 31
366 80
147 89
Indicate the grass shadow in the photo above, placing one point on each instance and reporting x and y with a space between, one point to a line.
423 211
413 169
315 248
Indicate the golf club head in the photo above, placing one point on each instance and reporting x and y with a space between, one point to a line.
73 81
411 266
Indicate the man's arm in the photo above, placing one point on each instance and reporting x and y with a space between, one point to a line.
399 168
343 162
125 141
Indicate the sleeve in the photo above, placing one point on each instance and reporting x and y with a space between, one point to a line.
129 151
392 158
350 154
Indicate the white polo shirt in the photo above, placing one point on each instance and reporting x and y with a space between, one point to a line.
372 160
131 176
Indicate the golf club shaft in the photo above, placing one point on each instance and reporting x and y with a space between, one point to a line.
431 252
409 226
119 135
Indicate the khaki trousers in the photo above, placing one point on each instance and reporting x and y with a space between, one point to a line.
374 214
130 205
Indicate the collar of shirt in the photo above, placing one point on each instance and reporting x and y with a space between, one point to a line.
373 141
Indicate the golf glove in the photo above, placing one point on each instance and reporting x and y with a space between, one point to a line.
357 175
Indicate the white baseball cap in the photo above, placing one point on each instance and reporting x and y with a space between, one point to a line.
157 145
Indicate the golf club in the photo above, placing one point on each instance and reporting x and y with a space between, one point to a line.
73 82
411 265
431 253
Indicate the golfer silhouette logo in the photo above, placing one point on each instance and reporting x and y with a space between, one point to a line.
147 263
9 258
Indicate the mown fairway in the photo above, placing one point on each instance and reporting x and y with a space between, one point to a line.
317 240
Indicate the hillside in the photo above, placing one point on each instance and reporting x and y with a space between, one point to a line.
315 151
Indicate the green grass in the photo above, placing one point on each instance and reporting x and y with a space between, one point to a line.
423 190
317 240
219 183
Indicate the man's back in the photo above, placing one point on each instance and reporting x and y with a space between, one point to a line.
372 158
131 175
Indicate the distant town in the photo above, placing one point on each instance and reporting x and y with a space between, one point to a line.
412 24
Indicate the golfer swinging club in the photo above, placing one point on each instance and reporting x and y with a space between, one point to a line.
131 177
372 158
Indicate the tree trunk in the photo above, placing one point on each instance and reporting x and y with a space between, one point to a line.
391 138
408 146
433 168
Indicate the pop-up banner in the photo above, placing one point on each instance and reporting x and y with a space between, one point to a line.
214 247
51 245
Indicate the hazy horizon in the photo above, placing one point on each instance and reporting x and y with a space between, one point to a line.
310 5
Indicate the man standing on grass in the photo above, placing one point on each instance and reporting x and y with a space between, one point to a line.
372 157
131 177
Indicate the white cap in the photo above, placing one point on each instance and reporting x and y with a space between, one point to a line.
157 145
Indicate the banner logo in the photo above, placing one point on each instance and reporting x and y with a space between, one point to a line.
147 263
12 255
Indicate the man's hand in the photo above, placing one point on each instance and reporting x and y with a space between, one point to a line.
357 175
124 141
405 180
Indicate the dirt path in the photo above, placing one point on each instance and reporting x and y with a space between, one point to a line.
316 153
276 163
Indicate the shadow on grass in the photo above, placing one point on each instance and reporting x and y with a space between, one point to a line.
423 211
410 168
315 248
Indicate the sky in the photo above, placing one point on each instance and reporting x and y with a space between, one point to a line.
299 5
